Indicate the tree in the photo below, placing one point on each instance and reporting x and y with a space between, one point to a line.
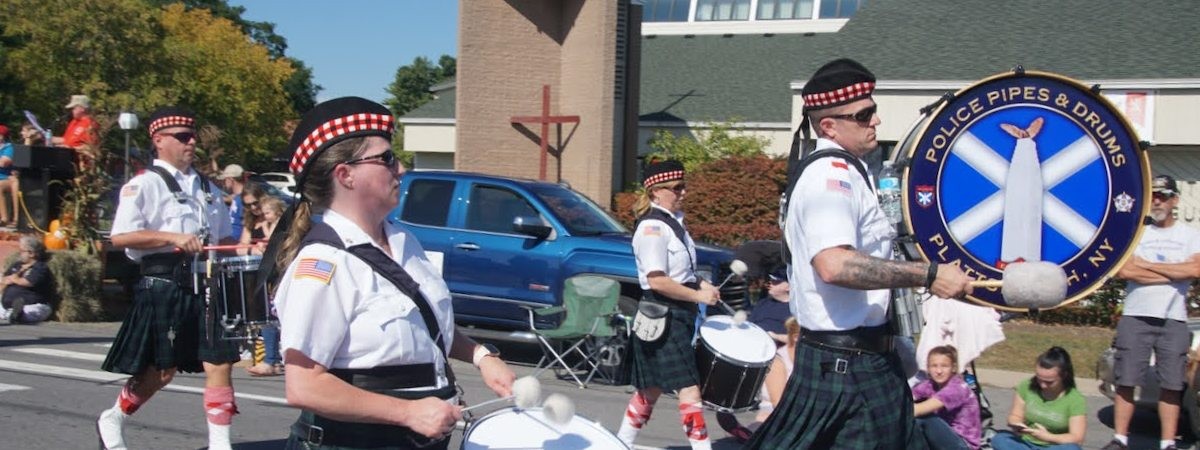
712 141
410 89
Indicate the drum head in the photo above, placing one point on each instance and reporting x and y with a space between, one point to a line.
245 263
529 428
744 342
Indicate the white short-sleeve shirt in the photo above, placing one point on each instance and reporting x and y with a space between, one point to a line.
1174 244
340 313
832 205
147 204
657 249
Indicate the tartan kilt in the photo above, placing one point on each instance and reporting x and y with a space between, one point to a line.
869 407
670 362
161 306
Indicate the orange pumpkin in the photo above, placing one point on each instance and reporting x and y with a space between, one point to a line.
55 239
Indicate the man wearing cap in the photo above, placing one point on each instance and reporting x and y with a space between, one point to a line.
8 181
82 128
231 180
847 389
1154 319
164 218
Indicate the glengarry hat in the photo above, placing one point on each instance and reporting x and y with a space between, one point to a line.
334 121
662 172
170 116
836 83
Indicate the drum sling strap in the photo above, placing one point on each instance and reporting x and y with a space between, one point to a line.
680 232
177 191
320 430
796 167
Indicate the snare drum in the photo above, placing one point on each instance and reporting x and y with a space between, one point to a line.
243 312
733 361
528 428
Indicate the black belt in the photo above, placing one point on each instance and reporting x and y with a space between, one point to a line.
318 430
165 264
877 340
685 305
390 377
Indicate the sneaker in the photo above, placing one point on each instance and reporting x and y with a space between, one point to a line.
1115 445
109 427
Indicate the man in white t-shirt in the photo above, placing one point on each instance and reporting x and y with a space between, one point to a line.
1154 321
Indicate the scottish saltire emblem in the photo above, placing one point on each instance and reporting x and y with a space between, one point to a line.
1027 166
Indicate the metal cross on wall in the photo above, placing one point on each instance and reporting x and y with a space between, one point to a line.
545 119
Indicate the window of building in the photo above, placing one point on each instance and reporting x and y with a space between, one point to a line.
665 10
714 10
840 9
785 9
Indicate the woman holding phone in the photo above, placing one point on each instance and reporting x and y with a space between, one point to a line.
1048 412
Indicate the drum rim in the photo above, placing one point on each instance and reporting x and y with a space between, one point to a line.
512 409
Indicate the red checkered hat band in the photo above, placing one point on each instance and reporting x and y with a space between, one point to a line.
839 96
335 128
171 121
663 178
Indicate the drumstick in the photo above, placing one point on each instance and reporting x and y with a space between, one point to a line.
559 409
737 268
1034 284
225 247
525 393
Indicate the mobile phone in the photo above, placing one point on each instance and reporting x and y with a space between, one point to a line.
1019 426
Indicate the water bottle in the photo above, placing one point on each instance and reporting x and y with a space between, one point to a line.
889 193
49 138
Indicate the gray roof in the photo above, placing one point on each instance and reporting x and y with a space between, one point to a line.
747 77
441 107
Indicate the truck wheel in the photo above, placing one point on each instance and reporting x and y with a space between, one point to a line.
1191 405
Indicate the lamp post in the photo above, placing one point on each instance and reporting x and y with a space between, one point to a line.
128 121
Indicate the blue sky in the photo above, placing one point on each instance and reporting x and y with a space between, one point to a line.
355 46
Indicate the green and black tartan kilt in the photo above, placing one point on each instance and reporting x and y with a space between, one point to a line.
166 329
868 407
670 362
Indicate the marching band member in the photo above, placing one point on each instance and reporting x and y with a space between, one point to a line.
847 389
666 261
164 217
367 320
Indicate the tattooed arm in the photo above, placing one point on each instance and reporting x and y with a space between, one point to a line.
845 267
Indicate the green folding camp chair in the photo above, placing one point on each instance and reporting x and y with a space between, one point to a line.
589 303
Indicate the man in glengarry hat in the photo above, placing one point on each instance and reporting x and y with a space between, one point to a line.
164 218
1154 318
847 388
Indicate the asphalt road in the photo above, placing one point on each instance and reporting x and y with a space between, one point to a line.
51 390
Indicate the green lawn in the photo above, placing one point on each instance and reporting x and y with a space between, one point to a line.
1025 340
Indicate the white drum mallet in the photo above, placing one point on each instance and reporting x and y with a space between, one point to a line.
737 268
525 394
558 409
1033 285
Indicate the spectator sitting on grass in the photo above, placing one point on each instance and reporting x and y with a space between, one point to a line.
27 285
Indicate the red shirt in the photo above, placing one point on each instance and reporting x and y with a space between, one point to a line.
80 131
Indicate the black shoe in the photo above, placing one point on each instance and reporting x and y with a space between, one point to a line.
1115 445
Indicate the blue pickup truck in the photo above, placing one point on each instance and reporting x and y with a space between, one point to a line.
502 243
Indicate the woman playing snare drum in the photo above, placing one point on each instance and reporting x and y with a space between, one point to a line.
360 305
666 261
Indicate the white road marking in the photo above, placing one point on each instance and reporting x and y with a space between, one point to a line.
12 387
61 353
108 377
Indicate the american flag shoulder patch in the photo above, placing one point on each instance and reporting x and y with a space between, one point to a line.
652 230
317 269
129 190
836 185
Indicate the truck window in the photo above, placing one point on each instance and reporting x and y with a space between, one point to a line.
579 215
493 209
428 202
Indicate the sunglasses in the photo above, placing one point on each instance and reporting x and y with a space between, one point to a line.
863 116
387 158
182 136
1162 196
679 188
252 204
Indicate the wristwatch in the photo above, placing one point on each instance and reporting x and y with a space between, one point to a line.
482 351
